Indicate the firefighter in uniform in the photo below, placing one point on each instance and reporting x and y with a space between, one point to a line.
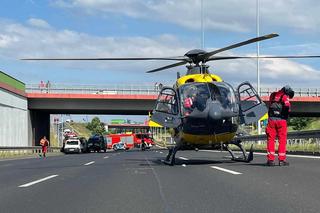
44 146
279 109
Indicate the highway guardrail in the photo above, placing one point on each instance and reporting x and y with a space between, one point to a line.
15 151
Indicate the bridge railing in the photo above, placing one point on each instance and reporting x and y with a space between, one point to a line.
299 92
109 89
137 89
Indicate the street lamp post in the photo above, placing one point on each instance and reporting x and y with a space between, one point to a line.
202 26
258 53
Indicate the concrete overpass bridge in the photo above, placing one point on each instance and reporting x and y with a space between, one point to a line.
133 99
35 103
124 100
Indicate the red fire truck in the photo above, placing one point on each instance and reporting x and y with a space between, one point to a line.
147 137
127 139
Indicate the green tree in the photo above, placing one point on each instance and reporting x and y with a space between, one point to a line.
96 126
299 123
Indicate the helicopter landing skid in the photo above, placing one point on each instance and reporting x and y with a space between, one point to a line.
171 157
245 157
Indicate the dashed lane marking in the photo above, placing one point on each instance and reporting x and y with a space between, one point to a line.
87 164
226 170
160 152
105 157
182 158
38 181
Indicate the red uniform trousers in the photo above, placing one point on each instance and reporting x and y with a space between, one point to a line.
276 128
44 150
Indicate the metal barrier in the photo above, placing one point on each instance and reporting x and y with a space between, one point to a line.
108 89
18 151
291 135
302 142
143 88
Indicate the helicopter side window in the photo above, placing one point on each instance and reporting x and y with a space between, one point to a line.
167 103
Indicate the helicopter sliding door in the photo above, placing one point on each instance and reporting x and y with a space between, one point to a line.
252 108
166 111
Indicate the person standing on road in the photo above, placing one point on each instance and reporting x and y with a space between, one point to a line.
44 145
143 144
279 109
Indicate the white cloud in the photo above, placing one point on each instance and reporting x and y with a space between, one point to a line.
27 41
38 23
229 15
273 72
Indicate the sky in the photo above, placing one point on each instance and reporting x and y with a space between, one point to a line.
157 28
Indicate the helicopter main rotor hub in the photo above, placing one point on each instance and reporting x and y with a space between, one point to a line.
196 56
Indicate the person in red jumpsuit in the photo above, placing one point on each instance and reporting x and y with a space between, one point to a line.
279 109
44 145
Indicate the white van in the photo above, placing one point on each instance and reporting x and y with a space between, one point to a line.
73 145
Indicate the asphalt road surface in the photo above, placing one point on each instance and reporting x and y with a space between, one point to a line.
136 181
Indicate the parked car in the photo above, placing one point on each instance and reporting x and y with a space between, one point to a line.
73 146
96 143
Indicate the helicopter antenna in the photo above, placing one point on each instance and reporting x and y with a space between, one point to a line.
202 26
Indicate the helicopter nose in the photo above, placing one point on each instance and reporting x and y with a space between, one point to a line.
215 111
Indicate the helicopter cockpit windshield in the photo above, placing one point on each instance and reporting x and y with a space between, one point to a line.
224 93
194 96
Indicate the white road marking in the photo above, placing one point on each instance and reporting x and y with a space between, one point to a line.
38 181
184 165
161 152
294 156
226 170
106 157
182 158
87 164
259 153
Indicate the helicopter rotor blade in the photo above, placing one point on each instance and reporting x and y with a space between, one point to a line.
167 67
179 58
216 58
253 40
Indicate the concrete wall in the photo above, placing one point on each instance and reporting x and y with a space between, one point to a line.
13 119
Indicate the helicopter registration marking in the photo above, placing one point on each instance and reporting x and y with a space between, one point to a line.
226 170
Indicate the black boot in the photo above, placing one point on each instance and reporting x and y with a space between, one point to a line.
283 163
270 163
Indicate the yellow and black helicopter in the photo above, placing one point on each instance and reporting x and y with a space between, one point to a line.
212 120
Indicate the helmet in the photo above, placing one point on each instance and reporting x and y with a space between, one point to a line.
288 91
191 91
